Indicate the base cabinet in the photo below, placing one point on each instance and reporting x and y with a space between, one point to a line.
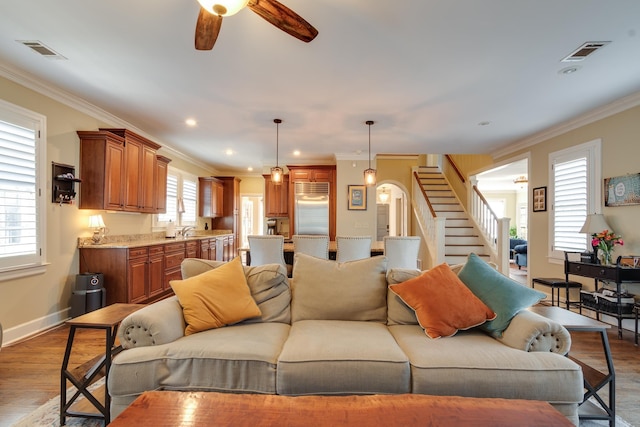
135 275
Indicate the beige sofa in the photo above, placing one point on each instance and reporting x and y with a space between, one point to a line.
338 329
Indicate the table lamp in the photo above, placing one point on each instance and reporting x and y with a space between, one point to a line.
595 223
96 222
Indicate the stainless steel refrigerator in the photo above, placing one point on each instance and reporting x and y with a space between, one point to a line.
311 208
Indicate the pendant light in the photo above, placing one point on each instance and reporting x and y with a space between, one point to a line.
370 174
276 172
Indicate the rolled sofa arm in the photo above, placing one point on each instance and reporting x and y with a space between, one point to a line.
158 323
529 331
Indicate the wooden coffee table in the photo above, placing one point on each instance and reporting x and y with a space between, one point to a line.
173 408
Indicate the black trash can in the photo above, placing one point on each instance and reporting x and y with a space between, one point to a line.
89 294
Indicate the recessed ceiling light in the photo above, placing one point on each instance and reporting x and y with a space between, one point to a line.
569 70
228 152
296 153
250 169
191 122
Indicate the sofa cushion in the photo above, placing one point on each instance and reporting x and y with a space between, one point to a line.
399 313
473 364
443 304
329 290
268 283
238 358
504 296
215 298
341 357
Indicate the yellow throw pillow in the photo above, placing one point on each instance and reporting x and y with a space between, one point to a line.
215 298
443 304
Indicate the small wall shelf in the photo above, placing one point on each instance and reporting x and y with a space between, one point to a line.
63 180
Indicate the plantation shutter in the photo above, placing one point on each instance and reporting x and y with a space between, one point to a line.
189 195
172 200
570 204
19 225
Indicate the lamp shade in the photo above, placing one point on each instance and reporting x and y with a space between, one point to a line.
595 223
95 221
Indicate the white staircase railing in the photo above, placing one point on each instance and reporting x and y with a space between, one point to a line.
495 230
432 227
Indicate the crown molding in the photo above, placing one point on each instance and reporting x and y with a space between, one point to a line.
589 117
30 82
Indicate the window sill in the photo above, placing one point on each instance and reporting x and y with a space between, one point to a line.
23 272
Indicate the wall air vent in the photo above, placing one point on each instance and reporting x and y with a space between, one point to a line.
40 48
583 51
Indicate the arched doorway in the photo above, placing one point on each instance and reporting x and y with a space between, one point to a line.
391 213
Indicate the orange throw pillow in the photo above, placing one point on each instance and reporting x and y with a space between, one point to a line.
216 298
442 302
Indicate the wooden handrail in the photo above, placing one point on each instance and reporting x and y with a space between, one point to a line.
455 167
424 194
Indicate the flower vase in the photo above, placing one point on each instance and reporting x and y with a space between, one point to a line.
605 257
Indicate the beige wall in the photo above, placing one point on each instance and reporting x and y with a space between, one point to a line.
354 223
619 134
33 303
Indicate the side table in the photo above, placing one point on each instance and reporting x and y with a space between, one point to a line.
107 319
594 380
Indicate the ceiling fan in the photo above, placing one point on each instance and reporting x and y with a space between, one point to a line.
212 12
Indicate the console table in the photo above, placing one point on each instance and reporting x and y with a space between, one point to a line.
617 274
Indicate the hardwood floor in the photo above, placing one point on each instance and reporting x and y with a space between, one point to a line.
30 370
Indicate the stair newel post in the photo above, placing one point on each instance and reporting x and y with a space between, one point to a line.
503 245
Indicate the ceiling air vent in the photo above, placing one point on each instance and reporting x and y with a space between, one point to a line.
40 48
583 51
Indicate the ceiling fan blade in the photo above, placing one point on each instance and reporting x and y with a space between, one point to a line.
284 18
207 29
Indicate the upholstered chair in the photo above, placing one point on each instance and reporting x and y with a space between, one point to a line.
314 245
401 251
351 248
266 250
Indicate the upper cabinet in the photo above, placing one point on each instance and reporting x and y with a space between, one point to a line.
121 171
276 197
210 197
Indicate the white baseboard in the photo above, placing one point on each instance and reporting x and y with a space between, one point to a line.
34 327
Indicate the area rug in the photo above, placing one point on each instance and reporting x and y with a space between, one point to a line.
48 415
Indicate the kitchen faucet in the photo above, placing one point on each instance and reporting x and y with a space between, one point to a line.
185 230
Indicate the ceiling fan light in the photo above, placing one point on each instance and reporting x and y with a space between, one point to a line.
223 7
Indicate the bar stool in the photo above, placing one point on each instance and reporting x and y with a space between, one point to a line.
401 251
351 248
556 284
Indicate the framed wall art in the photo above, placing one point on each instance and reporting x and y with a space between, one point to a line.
357 198
622 190
539 199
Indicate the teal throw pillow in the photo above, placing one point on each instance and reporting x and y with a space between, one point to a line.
504 296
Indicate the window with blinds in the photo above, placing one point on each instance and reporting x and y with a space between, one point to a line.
570 204
182 194
20 200
575 187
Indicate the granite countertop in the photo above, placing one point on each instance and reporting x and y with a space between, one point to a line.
139 240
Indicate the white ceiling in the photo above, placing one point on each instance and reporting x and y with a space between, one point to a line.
426 71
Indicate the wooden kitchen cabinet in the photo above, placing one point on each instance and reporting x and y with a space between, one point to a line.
230 219
174 254
210 197
102 170
162 170
276 197
138 275
140 169
120 171
191 249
